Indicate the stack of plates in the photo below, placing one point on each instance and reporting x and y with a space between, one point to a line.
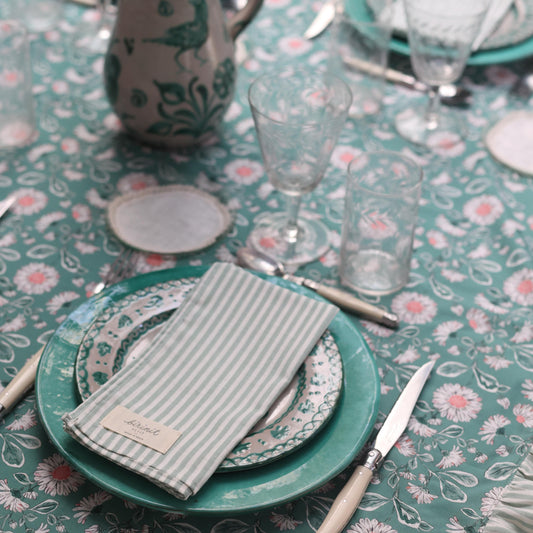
311 434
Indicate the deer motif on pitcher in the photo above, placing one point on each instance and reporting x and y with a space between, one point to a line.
169 71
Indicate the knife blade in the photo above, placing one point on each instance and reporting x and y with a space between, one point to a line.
348 500
6 204
323 19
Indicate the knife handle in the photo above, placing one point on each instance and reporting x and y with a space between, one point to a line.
354 305
20 384
347 501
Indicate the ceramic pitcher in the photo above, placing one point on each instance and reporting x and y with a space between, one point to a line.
169 71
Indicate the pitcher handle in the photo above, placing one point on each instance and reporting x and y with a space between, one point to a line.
243 17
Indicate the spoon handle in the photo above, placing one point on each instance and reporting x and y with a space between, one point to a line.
354 305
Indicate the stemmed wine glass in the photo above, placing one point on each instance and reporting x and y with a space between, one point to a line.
298 115
440 34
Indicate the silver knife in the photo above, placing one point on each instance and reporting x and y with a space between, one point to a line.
348 500
323 19
6 204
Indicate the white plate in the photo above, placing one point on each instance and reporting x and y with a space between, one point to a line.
171 219
125 329
510 141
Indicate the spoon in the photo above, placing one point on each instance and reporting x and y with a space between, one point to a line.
248 258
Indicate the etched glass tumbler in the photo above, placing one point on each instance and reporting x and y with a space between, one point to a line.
440 34
298 115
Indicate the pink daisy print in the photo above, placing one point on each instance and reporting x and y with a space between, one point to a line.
24 422
9 500
70 146
524 414
81 213
244 171
492 427
519 287
370 525
294 46
86 506
56 477
497 362
342 156
478 321
437 239
527 389
60 301
151 262
525 334
284 522
483 210
457 403
420 494
36 278
420 429
452 458
409 356
443 331
414 308
136 181
29 202
405 446
453 526
446 144
490 500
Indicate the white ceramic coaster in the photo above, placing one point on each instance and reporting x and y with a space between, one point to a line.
510 141
169 219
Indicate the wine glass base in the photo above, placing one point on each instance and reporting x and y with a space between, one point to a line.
412 125
267 237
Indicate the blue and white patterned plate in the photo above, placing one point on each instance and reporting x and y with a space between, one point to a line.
123 331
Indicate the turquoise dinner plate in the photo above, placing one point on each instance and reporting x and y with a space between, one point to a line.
359 10
325 456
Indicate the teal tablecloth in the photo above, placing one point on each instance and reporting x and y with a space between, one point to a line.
468 303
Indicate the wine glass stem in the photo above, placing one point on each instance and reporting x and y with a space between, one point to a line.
290 230
433 109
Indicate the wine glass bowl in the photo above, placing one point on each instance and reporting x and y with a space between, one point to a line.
298 115
440 35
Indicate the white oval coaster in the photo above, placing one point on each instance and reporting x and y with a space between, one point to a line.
510 141
168 220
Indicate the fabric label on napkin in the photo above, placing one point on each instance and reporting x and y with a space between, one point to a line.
136 427
211 373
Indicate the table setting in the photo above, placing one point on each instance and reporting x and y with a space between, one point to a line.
239 292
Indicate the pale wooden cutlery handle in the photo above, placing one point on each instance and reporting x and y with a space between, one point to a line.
20 384
347 501
350 303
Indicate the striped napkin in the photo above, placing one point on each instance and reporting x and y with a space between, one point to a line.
214 370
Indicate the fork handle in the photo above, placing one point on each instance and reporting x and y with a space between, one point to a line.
20 384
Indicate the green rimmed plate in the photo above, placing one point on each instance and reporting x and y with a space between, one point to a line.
512 42
127 327
286 479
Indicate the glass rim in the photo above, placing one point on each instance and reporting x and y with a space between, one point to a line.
313 72
397 155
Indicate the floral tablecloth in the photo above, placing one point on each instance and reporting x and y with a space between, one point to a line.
468 304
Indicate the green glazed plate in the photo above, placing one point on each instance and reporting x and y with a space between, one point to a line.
516 44
325 456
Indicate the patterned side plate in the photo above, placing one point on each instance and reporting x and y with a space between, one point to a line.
124 330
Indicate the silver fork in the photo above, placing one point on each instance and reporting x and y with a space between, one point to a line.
122 268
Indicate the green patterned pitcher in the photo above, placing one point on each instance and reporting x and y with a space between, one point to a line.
169 72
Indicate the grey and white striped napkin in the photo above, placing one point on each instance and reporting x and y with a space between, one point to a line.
215 369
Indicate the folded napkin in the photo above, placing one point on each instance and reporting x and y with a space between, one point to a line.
214 370
496 11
